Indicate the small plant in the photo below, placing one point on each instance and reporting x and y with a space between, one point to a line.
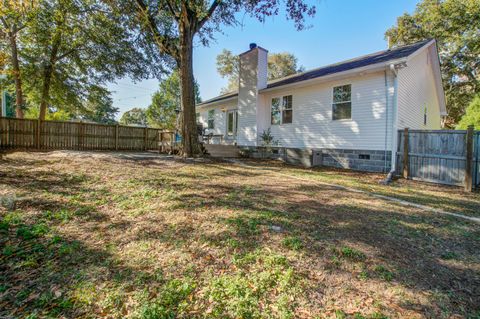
449 255
384 273
363 275
30 232
171 302
293 243
268 140
340 314
352 253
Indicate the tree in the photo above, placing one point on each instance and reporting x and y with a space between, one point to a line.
162 111
454 23
14 17
135 116
279 66
98 107
472 115
70 47
174 25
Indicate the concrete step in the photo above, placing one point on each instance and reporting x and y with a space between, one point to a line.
217 150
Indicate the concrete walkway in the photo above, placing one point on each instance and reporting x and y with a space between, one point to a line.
354 190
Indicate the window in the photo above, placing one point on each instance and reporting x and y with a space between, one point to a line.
287 111
282 111
342 102
211 119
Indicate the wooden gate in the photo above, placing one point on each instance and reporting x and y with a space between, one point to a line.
440 156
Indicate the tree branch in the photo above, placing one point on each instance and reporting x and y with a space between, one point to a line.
174 12
210 12
165 43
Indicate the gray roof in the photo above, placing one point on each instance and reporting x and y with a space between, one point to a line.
220 98
366 60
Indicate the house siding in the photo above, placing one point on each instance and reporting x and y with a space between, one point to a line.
220 119
416 89
312 125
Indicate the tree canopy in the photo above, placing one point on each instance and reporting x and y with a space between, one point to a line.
135 116
455 25
67 50
279 65
472 115
161 112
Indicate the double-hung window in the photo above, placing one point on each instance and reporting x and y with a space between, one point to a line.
282 110
342 102
211 119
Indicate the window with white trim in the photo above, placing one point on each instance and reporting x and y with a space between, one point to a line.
282 110
211 119
342 102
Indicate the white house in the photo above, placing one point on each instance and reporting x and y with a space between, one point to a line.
341 115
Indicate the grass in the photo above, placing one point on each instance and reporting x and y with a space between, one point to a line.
94 235
448 198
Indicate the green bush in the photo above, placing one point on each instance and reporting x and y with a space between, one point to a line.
471 116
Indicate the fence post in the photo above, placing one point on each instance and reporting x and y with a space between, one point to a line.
38 144
406 168
469 160
145 132
80 135
116 137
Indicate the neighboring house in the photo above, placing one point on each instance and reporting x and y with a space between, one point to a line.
342 115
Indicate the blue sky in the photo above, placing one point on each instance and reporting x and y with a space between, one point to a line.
340 30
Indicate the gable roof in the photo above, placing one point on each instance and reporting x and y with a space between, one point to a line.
366 60
363 61
222 97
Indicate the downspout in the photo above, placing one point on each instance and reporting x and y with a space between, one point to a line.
394 145
386 123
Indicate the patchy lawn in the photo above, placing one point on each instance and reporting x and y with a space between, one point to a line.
104 236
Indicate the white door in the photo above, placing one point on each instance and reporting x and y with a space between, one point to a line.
232 122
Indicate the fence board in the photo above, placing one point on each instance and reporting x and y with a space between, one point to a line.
438 156
61 135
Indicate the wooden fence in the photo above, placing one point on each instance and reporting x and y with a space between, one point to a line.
60 135
440 156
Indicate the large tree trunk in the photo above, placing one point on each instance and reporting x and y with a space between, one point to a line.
47 77
16 73
185 61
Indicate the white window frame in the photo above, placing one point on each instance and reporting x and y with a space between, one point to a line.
212 111
333 103
235 122
281 109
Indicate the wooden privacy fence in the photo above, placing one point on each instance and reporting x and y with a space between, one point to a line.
440 156
60 135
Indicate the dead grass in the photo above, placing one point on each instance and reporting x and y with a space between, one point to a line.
113 237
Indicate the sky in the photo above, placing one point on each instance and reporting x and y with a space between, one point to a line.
341 29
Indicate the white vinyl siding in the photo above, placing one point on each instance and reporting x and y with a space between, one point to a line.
417 92
220 118
313 127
